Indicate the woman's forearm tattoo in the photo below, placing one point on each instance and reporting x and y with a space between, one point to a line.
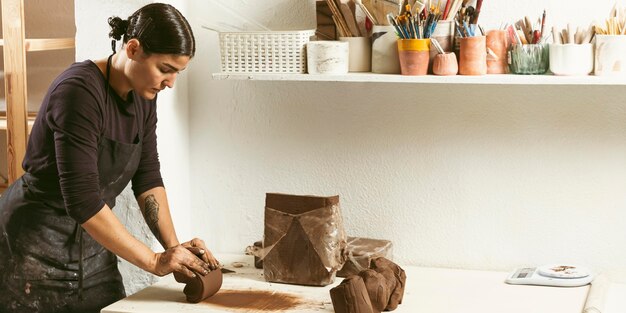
151 215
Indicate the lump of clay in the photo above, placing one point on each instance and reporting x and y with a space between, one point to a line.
350 296
392 272
200 287
377 289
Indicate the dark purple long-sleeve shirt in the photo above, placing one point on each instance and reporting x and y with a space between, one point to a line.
63 145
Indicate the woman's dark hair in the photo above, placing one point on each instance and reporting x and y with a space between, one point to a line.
159 27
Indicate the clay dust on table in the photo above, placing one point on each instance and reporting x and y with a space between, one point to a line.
254 300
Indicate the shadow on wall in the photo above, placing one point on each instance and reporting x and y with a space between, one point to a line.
265 15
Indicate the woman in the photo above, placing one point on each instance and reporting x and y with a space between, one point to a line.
95 132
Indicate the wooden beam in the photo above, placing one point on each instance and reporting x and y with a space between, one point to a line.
46 44
15 84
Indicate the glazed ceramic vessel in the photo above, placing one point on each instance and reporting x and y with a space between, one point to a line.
414 56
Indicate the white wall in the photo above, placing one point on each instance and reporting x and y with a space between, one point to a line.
485 177
469 176
92 42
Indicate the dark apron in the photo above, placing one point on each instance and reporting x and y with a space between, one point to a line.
47 262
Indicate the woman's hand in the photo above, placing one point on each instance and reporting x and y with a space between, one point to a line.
202 252
179 259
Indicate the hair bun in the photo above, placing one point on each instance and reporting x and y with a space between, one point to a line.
118 27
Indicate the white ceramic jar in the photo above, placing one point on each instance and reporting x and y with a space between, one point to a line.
571 59
610 57
327 57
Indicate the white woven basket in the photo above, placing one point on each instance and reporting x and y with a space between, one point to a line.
264 52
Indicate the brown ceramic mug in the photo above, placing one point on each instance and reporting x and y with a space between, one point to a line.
473 56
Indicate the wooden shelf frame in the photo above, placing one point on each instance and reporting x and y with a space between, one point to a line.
46 44
15 84
17 122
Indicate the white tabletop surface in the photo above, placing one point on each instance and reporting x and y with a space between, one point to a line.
432 290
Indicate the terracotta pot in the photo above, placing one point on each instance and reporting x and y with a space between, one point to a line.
498 43
473 56
445 64
414 56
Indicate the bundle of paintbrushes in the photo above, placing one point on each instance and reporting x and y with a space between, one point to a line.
464 28
449 8
417 25
466 18
615 24
569 36
467 13
525 32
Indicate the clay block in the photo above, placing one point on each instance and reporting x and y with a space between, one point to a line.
351 296
391 271
200 287
378 289
304 239
361 251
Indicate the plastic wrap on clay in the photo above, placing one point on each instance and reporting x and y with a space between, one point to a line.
361 251
304 239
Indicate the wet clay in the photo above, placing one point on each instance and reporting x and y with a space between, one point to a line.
200 287
377 288
351 296
382 285
392 272
254 300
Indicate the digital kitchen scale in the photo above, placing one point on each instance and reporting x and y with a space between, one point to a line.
558 275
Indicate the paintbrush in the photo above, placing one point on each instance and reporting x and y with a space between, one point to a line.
392 22
366 11
437 46
479 4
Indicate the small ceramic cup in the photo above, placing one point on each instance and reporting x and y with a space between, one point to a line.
327 57
444 34
445 64
571 59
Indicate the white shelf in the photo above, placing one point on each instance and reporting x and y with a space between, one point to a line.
507 79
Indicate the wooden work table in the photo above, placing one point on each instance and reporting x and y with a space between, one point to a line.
432 290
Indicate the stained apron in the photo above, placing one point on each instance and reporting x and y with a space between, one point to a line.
47 262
